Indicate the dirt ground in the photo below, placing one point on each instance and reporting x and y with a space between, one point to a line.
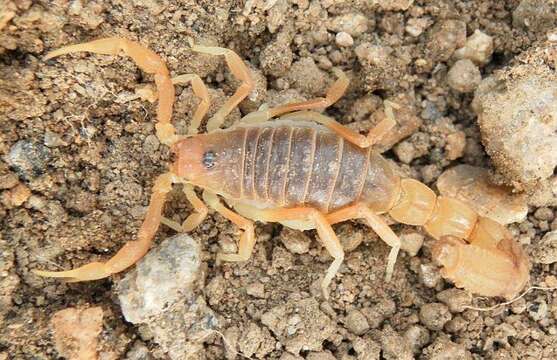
79 157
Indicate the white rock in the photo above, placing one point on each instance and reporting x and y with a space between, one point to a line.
165 275
478 48
344 39
464 76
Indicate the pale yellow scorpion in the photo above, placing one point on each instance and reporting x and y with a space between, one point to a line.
305 171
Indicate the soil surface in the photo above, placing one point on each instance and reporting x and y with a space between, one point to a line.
79 157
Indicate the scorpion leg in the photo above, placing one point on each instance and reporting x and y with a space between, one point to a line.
374 135
324 230
360 211
200 90
193 220
147 61
200 210
132 251
240 71
334 93
247 239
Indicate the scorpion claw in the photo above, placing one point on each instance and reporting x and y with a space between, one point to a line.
92 271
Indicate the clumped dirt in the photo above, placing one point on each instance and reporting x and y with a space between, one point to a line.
79 157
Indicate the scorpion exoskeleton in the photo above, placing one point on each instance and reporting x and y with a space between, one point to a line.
305 171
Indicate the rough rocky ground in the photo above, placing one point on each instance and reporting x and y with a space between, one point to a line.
79 156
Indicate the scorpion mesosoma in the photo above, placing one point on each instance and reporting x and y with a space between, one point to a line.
305 171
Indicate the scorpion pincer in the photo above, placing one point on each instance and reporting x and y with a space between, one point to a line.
305 171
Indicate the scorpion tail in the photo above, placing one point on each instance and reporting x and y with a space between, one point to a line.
491 264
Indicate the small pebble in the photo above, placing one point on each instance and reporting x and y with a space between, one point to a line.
444 349
276 58
429 275
350 238
344 39
455 299
544 213
394 5
416 26
394 346
295 241
455 325
29 159
445 37
411 243
366 348
478 48
456 142
16 196
376 314
537 310
250 340
405 151
518 306
76 331
355 24
434 315
545 251
535 15
305 76
356 322
8 180
373 54
52 139
417 336
464 76
320 355
256 289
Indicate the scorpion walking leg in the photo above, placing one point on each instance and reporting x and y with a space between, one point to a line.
374 135
132 251
324 230
334 93
200 210
193 220
360 211
149 62
240 70
200 90
247 239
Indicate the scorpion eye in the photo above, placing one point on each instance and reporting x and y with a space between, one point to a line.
209 159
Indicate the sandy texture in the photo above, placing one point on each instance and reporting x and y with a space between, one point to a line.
79 156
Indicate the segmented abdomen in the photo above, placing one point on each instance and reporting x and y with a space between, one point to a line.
291 166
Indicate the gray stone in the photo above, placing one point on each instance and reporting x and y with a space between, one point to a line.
29 159
162 277
518 123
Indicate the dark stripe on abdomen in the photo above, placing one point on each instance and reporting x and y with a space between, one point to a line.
278 164
262 157
249 161
325 168
299 170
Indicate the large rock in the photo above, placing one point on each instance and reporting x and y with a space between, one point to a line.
162 277
517 114
161 294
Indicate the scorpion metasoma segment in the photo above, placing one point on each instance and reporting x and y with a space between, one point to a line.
305 171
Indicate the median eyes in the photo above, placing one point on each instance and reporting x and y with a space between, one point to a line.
209 159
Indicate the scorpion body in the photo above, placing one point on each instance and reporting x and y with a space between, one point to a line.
285 164
305 171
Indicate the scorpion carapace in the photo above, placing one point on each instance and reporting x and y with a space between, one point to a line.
305 171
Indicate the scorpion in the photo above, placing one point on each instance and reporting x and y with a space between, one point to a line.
293 165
